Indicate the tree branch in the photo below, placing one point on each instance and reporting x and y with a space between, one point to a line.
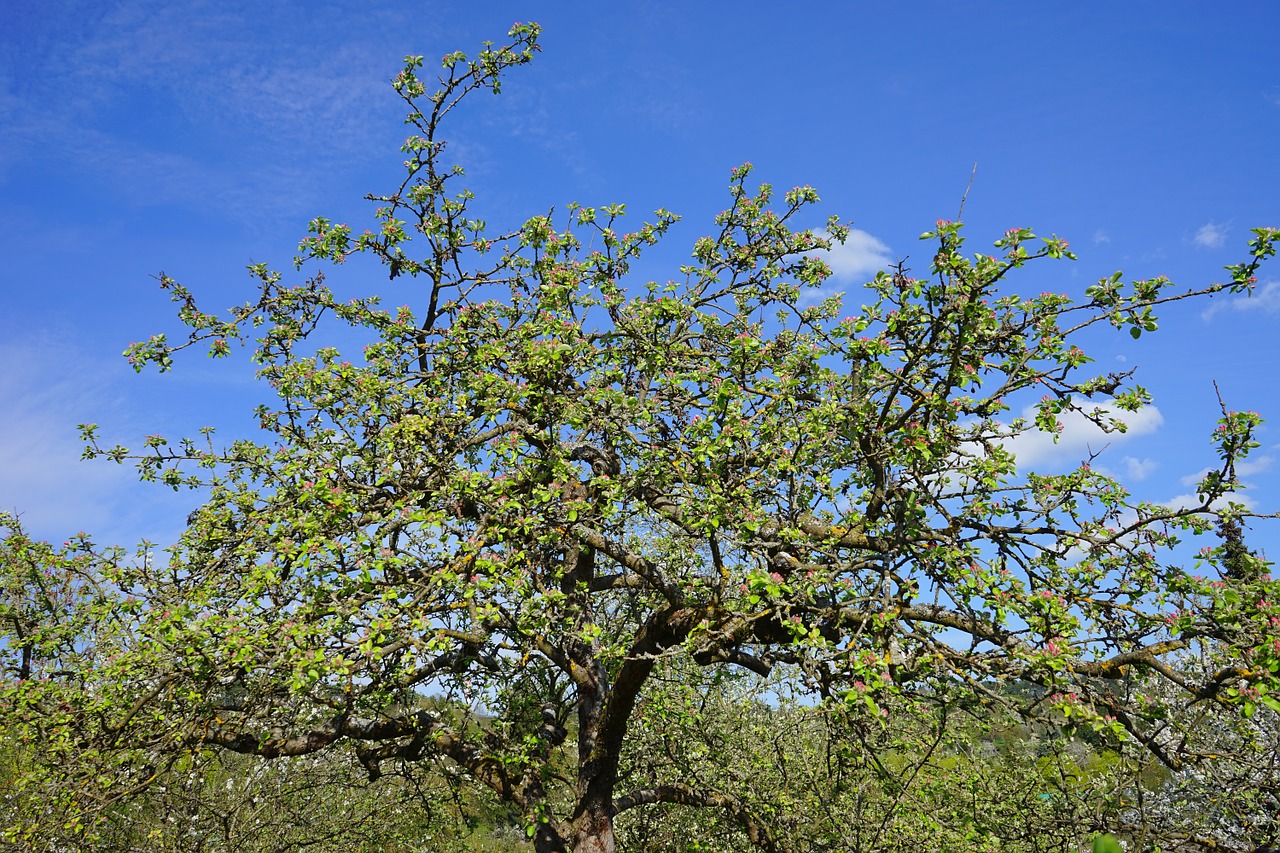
681 794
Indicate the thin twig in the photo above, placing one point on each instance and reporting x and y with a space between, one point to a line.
960 213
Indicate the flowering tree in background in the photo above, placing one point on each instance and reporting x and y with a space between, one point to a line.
543 491
1226 796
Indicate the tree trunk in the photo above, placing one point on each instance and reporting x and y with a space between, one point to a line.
593 832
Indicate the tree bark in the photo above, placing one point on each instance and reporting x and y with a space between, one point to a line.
593 831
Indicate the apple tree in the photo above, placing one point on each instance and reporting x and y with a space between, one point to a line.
539 479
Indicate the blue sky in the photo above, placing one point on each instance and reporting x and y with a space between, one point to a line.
198 137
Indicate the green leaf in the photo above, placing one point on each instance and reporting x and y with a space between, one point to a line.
1106 844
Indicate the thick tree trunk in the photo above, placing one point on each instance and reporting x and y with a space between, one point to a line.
589 832
593 833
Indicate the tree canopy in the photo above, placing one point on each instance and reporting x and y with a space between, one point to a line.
553 495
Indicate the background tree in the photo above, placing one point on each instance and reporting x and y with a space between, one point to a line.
1226 794
542 482
837 777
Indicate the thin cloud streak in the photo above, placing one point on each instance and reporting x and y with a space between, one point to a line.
207 84
1191 500
1264 300
1246 468
42 477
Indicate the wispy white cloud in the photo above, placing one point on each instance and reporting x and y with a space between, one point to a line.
1211 235
48 385
1264 300
216 79
1100 237
218 65
860 256
1247 468
41 476
1191 500
1138 469
1080 437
